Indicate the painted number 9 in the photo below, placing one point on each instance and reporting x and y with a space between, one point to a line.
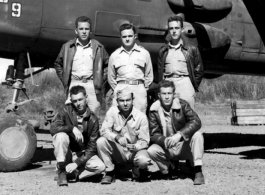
16 10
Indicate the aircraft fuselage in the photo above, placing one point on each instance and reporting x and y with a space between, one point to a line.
223 29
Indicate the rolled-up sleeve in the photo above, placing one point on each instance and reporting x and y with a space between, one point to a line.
148 74
111 73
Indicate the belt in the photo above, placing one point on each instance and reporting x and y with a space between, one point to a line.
83 80
133 82
175 76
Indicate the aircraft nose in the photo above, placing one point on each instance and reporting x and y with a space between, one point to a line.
19 24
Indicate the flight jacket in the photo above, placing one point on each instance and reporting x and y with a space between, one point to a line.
66 120
63 63
184 121
193 59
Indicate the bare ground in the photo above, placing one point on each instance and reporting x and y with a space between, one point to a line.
233 164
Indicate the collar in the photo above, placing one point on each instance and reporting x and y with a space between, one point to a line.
180 43
183 46
77 43
85 115
157 105
132 114
135 48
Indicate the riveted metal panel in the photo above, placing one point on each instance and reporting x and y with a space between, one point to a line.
251 38
237 33
251 57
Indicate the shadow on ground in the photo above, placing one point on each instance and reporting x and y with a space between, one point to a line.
230 140
43 155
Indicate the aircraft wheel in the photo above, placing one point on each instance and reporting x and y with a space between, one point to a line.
18 143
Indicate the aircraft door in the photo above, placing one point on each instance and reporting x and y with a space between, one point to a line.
20 22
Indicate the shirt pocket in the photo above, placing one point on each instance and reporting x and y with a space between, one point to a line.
139 66
120 67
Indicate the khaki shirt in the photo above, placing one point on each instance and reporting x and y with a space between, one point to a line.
135 128
175 61
83 61
133 65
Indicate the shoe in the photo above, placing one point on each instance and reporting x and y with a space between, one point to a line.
199 179
74 176
18 84
173 169
167 176
108 180
71 176
62 179
143 176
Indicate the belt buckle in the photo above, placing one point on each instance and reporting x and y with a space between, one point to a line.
130 82
84 80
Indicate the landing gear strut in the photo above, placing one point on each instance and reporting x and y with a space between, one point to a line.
18 140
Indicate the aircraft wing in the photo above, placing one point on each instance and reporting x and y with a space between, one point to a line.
256 9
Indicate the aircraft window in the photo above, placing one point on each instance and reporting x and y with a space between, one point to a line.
3 1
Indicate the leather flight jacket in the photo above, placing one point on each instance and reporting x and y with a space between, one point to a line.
63 63
193 59
183 119
66 120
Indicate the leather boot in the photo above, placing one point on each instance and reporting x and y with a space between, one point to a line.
62 180
143 177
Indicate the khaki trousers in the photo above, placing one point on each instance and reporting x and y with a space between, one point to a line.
63 153
140 96
191 150
184 89
110 152
93 100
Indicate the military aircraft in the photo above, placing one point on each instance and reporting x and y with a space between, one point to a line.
229 34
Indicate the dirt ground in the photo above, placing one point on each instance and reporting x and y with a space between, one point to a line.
233 164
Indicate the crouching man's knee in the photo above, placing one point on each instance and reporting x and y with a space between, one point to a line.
101 143
198 137
95 164
61 138
153 151
142 159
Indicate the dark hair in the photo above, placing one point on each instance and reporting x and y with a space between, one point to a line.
77 89
83 19
165 84
177 19
127 26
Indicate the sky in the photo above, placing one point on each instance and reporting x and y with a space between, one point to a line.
4 63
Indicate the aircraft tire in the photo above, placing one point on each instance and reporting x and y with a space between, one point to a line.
18 143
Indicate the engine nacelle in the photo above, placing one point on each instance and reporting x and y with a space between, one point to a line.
202 10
